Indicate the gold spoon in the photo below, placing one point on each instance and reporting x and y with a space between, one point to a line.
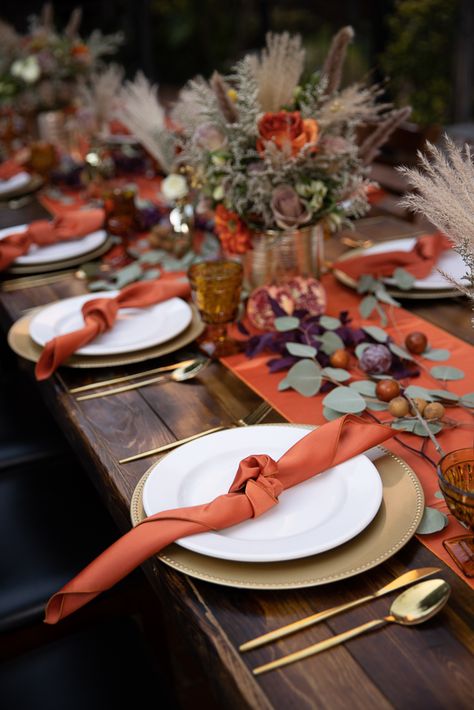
181 374
413 606
402 581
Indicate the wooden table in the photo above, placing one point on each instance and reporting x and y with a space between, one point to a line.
428 667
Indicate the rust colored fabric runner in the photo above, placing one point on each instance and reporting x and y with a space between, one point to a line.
301 410
258 482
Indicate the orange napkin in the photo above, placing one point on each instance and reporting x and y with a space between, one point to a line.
257 484
10 168
100 315
419 261
71 225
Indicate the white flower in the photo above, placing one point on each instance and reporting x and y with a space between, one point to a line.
26 69
174 187
218 193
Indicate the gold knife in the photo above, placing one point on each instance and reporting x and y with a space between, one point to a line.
402 581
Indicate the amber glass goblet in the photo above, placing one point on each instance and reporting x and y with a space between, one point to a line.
456 480
216 289
120 211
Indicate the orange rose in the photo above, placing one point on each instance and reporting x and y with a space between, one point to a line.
287 130
232 231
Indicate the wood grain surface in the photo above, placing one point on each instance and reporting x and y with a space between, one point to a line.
424 667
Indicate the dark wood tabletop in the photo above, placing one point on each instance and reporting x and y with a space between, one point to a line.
425 667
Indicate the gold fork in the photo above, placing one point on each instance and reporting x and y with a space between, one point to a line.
254 417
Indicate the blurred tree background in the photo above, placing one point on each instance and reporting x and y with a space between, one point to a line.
426 47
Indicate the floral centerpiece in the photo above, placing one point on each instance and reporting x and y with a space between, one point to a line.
274 155
40 70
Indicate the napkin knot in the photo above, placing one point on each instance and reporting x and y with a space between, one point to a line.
257 477
42 232
103 311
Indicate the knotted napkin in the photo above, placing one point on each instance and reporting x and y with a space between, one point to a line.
257 484
69 226
419 261
10 168
100 315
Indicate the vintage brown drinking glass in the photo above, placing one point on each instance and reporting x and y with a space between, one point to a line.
216 289
456 480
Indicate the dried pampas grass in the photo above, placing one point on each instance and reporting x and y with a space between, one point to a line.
101 94
445 195
278 70
332 68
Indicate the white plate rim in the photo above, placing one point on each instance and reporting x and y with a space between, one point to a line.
49 313
211 544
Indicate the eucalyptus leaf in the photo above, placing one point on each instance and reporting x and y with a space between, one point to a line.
329 322
128 275
336 373
151 274
360 349
417 391
445 396
366 387
382 315
305 377
434 427
403 424
401 352
436 354
155 256
445 372
330 414
345 400
301 350
367 305
284 323
432 521
366 283
403 279
376 333
101 285
330 342
383 295
284 385
439 495
376 405
467 400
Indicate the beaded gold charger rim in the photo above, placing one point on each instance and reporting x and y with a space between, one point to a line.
22 344
394 525
415 294
64 263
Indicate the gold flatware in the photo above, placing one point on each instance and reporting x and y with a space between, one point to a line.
180 374
31 281
413 606
357 243
254 417
402 581
127 378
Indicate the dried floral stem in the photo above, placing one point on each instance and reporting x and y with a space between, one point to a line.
332 68
425 426
370 147
221 90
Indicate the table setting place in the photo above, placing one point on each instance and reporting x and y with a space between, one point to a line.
375 444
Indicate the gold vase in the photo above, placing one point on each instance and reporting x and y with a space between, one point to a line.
277 256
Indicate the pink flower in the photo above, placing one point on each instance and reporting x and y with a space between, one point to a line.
209 137
289 211
334 145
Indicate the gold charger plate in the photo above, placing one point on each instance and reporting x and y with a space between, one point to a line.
64 264
418 294
22 344
393 526
36 181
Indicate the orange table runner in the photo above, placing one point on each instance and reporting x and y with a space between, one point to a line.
302 410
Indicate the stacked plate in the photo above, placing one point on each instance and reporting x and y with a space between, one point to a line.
435 285
19 185
337 524
139 333
60 255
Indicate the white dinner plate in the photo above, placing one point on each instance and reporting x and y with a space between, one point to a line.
14 183
135 328
59 251
449 262
316 515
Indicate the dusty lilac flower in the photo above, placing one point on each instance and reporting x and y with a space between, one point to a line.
289 211
334 145
209 137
